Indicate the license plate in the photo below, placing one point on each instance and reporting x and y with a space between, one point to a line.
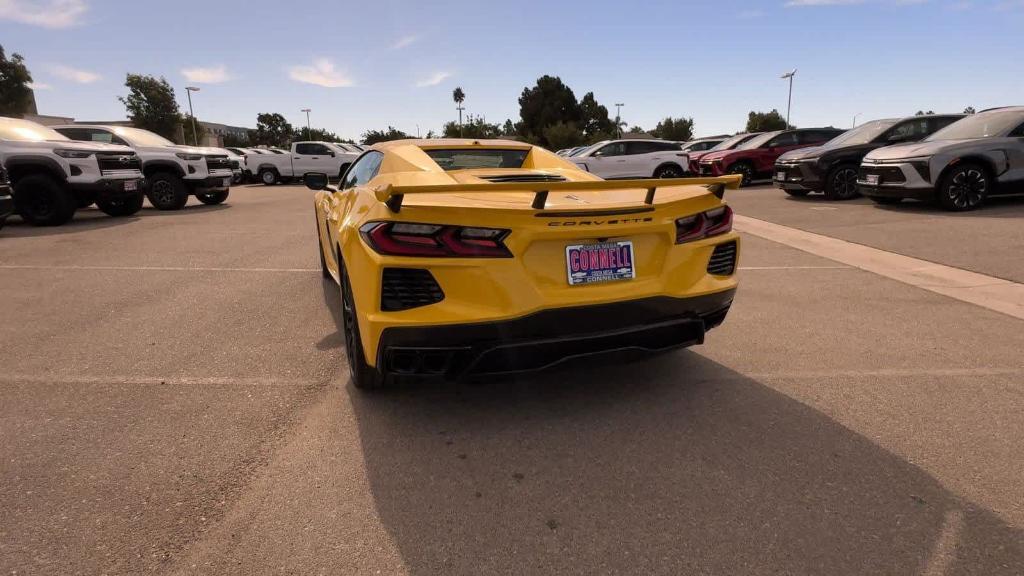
131 185
781 176
872 179
589 263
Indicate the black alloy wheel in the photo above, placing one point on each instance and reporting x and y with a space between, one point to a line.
842 184
745 170
965 187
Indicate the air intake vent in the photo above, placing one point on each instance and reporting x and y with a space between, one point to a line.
523 178
405 288
723 260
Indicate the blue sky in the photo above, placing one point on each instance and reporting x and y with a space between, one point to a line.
370 64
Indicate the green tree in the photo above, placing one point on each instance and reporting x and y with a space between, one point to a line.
373 136
563 135
636 130
474 127
547 103
678 129
969 110
316 134
186 124
923 113
151 105
766 121
509 129
273 130
594 119
15 93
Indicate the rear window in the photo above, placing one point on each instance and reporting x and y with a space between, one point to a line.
465 159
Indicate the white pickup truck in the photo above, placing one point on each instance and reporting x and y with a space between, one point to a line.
53 176
174 172
305 157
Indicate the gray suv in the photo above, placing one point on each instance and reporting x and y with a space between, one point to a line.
959 166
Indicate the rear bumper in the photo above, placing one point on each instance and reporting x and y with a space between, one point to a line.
112 188
549 337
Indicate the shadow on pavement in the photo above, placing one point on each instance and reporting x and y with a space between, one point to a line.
190 208
332 298
85 219
994 207
676 465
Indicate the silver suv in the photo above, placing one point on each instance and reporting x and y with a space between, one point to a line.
979 156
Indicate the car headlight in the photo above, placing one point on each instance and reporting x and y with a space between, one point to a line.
924 159
71 153
187 156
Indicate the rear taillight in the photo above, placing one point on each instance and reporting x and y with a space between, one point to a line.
704 225
408 239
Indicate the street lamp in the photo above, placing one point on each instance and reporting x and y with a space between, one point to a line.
855 119
189 90
789 103
309 131
618 118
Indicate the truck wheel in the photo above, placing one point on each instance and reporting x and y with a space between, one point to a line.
668 171
42 201
268 177
125 206
212 198
167 191
841 183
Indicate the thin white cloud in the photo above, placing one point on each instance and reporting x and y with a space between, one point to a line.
434 79
45 13
403 42
212 75
74 74
39 86
321 73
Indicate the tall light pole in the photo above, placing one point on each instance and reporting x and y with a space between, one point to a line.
308 130
855 119
789 103
618 118
189 90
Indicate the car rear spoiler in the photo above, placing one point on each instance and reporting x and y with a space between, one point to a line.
393 195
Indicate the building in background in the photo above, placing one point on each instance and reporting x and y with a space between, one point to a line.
215 133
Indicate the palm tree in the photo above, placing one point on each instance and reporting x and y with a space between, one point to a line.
459 97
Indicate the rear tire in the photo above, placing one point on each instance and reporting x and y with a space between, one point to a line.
364 376
43 201
213 198
668 171
964 187
744 169
167 191
268 177
841 183
121 206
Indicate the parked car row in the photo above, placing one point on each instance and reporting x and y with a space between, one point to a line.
953 159
264 164
54 171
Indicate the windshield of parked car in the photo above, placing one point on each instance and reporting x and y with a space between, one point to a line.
464 159
862 134
24 131
139 137
730 143
758 141
981 125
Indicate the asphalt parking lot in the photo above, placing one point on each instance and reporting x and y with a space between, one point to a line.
174 400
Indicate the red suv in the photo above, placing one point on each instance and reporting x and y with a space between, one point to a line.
756 157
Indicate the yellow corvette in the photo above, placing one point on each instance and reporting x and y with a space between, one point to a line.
464 257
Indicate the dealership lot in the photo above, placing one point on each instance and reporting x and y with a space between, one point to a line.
175 399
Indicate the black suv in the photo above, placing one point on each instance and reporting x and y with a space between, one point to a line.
6 200
832 167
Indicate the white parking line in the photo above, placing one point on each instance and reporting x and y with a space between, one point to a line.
154 268
986 291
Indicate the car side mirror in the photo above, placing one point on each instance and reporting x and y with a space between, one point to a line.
317 181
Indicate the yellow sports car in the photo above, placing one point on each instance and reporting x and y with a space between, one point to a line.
466 257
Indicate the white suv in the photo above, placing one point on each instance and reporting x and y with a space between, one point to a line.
53 176
633 159
174 172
